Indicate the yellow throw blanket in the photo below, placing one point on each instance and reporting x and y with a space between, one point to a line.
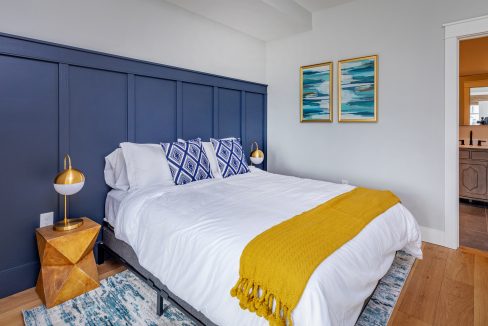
276 265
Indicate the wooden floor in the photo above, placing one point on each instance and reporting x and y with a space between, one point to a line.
447 287
473 226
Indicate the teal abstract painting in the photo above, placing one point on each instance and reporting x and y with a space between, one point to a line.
358 89
316 92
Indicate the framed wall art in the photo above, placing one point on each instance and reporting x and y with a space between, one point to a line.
358 89
316 93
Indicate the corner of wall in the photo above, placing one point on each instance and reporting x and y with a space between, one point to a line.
435 236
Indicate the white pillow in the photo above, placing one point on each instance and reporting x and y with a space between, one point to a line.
146 165
115 171
212 158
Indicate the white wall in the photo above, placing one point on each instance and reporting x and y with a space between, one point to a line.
151 30
404 151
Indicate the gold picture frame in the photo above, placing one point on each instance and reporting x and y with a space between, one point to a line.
317 101
362 111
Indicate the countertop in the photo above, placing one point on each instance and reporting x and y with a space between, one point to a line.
485 147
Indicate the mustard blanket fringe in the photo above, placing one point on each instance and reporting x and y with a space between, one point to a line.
277 264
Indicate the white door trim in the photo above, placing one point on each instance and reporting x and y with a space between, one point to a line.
453 33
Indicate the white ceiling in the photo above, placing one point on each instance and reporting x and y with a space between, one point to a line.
263 19
316 5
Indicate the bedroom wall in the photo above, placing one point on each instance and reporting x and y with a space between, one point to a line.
404 150
56 100
152 30
50 96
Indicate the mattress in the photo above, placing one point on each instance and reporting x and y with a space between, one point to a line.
112 204
191 237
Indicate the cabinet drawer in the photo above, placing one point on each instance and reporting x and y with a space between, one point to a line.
479 155
473 180
463 153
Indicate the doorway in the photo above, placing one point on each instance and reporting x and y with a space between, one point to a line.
454 33
473 143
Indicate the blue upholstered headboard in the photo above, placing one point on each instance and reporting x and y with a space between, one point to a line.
56 99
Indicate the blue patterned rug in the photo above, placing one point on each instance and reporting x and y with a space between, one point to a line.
380 306
123 299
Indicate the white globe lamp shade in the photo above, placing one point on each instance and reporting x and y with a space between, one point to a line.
68 189
68 182
257 160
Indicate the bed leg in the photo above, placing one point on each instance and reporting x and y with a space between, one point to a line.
159 304
100 253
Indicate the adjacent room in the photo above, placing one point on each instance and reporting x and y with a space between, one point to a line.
258 162
473 119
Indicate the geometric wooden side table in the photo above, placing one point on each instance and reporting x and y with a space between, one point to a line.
68 266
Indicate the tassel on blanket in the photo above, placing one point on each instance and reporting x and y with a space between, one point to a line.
254 298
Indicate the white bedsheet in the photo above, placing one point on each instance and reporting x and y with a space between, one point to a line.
112 204
191 237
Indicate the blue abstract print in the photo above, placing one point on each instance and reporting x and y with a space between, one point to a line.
316 92
357 89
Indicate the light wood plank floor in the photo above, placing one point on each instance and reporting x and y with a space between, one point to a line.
447 287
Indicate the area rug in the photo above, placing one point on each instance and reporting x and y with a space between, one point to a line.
123 299
380 306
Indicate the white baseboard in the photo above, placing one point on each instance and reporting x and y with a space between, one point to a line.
434 236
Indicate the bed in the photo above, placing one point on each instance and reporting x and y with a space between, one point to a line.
188 240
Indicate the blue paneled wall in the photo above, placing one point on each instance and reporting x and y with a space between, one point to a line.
56 99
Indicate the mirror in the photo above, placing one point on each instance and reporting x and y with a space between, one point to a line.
478 106
473 101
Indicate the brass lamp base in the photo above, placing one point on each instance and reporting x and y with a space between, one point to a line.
68 224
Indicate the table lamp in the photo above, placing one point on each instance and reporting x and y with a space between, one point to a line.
68 182
257 156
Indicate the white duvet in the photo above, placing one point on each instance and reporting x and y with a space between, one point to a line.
191 237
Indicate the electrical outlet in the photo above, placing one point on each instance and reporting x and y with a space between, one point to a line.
345 182
46 219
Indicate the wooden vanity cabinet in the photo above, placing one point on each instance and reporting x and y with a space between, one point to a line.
473 174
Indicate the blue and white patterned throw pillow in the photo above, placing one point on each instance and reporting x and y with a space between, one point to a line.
230 156
187 161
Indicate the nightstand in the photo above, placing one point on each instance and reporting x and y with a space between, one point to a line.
68 266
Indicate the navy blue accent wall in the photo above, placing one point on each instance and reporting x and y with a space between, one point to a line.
56 99
29 146
229 119
254 118
97 124
197 111
154 125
